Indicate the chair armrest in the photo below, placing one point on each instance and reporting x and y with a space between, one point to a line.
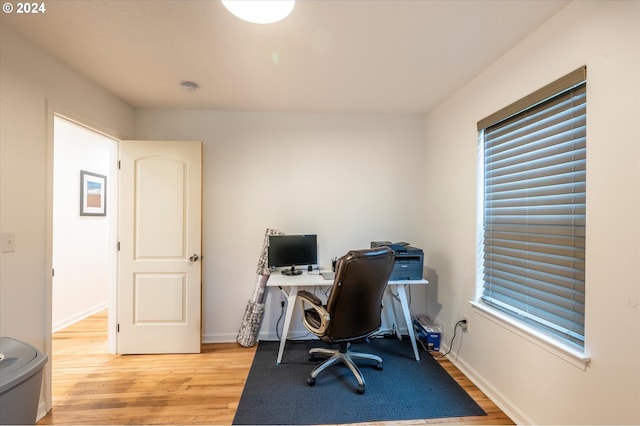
311 298
309 303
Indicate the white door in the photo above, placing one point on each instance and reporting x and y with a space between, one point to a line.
159 237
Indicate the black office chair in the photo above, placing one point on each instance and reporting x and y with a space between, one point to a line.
353 309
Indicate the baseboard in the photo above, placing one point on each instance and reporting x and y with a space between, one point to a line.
59 325
488 389
219 338
272 335
42 411
232 337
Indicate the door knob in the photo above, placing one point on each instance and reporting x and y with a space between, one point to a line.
194 258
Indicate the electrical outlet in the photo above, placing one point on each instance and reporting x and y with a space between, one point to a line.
465 325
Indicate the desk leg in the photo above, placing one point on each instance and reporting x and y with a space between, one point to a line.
402 294
392 301
291 299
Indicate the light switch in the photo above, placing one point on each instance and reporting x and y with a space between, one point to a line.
8 242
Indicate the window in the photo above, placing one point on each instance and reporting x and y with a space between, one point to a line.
534 199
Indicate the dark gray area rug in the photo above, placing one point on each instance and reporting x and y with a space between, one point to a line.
404 390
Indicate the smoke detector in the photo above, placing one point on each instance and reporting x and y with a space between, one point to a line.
188 86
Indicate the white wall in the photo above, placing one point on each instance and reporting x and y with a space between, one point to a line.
81 244
532 384
269 170
28 78
349 179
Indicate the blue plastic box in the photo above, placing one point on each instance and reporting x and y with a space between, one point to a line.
433 341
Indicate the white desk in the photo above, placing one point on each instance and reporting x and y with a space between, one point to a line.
291 284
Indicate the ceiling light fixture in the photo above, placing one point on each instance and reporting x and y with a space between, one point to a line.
260 11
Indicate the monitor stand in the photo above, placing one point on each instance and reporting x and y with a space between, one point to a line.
291 271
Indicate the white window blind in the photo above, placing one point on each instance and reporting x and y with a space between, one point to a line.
533 250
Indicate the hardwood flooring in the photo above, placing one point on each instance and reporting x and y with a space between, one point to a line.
91 386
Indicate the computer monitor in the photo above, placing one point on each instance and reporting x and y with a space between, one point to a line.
291 251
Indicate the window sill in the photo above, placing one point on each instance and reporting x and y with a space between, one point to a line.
566 353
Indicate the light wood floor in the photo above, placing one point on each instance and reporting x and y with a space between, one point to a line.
91 386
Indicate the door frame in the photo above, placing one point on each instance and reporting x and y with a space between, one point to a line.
53 110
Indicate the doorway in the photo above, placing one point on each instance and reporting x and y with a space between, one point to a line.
83 222
84 254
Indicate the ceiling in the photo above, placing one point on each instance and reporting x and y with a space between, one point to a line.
345 56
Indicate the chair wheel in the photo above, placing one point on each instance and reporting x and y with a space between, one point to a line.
311 381
379 366
360 389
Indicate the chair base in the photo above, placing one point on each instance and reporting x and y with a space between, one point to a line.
347 358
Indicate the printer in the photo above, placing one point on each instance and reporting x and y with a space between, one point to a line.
409 260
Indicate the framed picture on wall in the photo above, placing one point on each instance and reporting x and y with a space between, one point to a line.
93 194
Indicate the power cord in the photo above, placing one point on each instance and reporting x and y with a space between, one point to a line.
280 319
282 303
455 329
278 335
